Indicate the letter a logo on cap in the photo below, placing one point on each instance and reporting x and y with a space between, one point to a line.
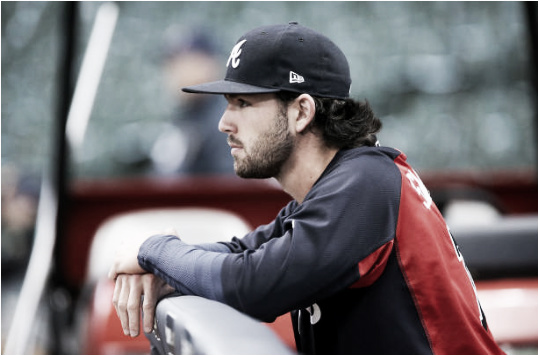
234 55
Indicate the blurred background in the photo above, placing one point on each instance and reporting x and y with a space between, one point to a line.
451 81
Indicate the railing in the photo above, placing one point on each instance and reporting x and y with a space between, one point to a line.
189 325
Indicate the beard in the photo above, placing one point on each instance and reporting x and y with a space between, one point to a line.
269 152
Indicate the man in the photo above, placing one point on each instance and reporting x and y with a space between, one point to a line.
361 257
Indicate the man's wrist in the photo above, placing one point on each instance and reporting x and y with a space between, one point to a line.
144 256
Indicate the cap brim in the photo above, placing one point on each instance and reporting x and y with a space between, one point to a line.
227 87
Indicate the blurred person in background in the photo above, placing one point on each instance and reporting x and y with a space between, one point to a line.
193 144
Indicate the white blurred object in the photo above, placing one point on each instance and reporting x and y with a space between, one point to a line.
91 70
470 213
511 309
193 225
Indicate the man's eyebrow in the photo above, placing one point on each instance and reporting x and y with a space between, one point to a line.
230 96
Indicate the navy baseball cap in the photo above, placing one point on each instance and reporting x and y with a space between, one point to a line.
283 58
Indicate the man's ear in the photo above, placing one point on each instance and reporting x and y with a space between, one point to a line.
306 112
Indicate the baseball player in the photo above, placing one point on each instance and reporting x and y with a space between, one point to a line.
361 256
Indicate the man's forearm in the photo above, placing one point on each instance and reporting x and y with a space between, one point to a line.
189 269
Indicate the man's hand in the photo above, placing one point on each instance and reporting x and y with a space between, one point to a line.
127 299
126 259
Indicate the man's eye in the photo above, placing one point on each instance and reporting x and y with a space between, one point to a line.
242 103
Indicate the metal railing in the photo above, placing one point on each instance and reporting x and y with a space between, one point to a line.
190 325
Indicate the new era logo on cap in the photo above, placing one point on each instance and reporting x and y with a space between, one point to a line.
295 78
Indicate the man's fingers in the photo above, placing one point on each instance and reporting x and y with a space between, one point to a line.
127 296
133 305
150 301
116 295
154 289
121 294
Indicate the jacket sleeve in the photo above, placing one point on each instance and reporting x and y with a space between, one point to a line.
196 269
311 251
347 216
190 270
262 234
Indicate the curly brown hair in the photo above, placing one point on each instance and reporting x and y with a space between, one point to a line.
344 123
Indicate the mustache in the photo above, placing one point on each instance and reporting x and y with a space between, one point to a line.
234 141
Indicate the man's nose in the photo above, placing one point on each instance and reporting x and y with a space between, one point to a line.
225 124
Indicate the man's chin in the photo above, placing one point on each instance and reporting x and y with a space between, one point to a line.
253 174
244 173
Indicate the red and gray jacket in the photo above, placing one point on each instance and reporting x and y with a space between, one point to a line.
366 265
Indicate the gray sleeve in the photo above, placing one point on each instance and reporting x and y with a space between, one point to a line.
188 269
216 247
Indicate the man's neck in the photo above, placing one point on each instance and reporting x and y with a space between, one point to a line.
303 169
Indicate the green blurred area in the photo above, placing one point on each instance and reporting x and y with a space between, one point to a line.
450 80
